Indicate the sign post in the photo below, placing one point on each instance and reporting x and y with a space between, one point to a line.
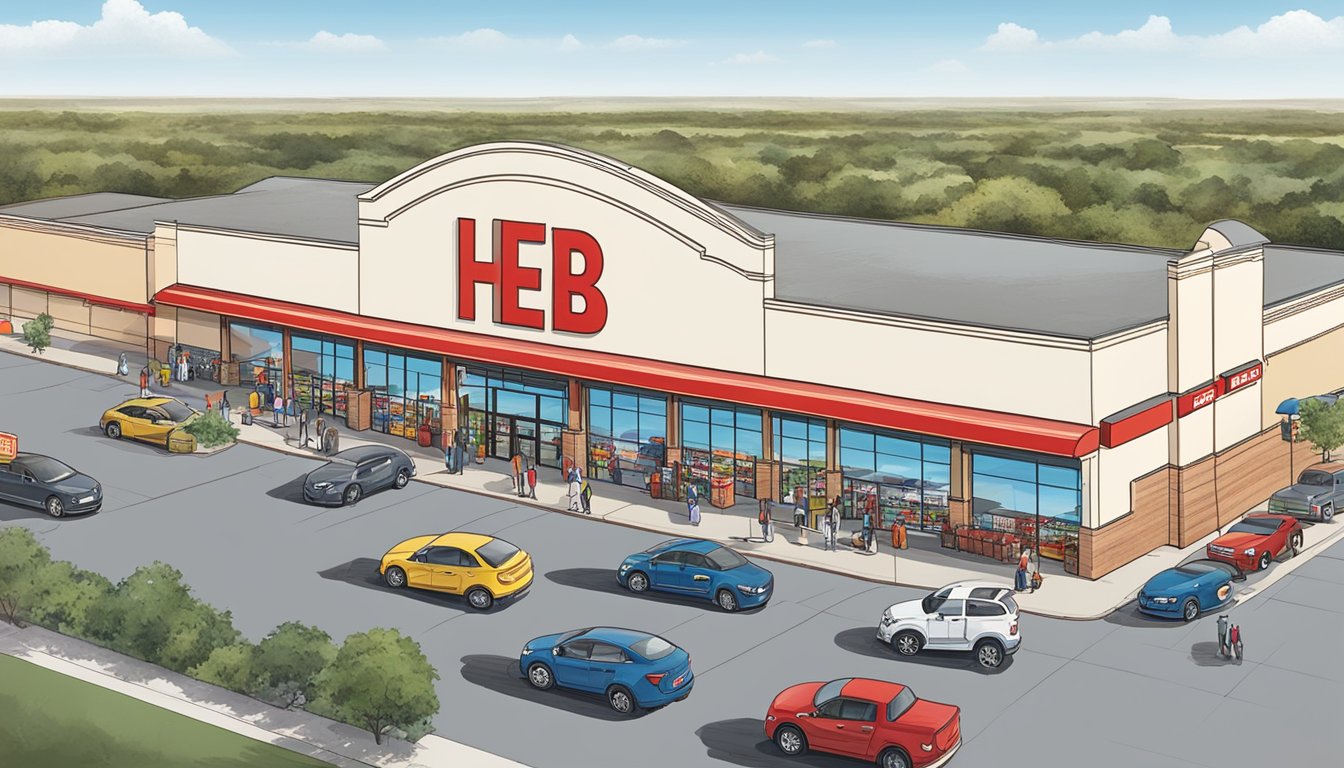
9 447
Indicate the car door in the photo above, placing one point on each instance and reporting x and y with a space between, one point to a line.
825 730
667 573
571 665
605 664
445 569
985 617
854 732
697 577
132 420
11 476
418 570
948 625
155 426
1281 536
377 473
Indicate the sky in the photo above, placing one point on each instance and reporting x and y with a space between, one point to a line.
1234 49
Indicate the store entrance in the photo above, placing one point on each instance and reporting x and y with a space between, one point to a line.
513 435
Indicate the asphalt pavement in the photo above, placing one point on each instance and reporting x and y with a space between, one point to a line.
1125 690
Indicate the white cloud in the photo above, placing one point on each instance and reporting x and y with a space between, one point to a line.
124 27
484 37
635 41
1290 33
947 67
759 57
570 43
347 43
1012 37
819 44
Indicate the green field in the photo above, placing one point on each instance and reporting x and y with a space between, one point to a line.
48 720
1144 176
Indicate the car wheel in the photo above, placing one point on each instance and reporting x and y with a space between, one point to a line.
113 430
621 700
352 494
403 477
395 577
907 643
637 582
1263 562
1190 609
1295 545
54 507
989 653
480 599
790 741
726 600
539 675
1327 513
892 757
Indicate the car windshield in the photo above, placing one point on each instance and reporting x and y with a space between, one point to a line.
1258 527
47 470
661 546
1194 569
829 691
933 601
899 705
652 647
175 410
1315 477
725 559
497 552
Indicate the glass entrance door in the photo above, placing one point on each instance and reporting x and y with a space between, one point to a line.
502 438
526 432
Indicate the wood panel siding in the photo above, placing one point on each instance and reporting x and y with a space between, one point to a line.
1143 529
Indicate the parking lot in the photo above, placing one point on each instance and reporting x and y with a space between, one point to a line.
1121 691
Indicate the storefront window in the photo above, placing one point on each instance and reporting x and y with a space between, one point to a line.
894 477
720 441
260 354
324 372
627 435
406 391
1039 502
514 413
800 452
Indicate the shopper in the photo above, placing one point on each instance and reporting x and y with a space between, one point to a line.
1023 564
224 406
278 410
303 428
123 366
694 512
763 517
692 496
144 381
868 531
799 509
834 516
574 490
532 481
460 449
586 495
516 466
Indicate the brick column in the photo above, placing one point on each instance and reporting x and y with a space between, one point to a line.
959 494
574 441
449 398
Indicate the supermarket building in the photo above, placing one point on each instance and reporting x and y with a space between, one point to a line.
1103 400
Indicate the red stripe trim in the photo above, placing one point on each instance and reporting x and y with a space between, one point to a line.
1026 433
147 309
1120 431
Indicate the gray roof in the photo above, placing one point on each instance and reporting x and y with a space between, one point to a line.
1238 234
313 209
1294 270
56 208
1058 287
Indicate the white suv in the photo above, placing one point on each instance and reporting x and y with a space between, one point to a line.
959 617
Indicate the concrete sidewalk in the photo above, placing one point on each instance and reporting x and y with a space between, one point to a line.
924 564
294 729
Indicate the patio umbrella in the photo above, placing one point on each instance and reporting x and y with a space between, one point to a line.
1292 405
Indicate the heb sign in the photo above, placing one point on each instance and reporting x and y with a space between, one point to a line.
1243 377
509 279
1197 398
9 447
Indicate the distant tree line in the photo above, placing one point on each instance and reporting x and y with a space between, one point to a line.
376 680
1144 177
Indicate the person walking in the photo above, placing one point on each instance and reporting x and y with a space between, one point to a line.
516 464
834 514
799 508
867 531
144 381
694 512
827 533
692 496
303 428
574 490
586 496
277 410
460 450
224 406
1023 564
532 481
763 517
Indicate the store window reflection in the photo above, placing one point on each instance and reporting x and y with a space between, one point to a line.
627 435
800 452
720 442
894 478
514 413
260 353
406 391
324 372
1039 502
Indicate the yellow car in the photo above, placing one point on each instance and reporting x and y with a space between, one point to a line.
152 419
483 568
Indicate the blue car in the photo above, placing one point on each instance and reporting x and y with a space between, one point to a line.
700 569
1187 590
633 670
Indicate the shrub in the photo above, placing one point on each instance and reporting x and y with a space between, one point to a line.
37 332
210 429
379 681
231 666
22 560
288 662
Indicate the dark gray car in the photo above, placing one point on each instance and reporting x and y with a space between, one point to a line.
1315 495
354 472
43 482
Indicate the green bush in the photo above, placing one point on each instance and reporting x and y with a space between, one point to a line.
210 429
380 681
288 662
22 561
231 666
37 332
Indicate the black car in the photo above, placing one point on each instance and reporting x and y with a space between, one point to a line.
356 471
43 482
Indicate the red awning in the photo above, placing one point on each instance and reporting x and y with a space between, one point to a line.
1059 438
90 298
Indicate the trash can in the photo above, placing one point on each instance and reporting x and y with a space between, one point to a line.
423 437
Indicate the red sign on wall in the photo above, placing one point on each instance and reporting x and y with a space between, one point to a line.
509 278
1243 377
9 447
1197 398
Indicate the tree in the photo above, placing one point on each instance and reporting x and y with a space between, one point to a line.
379 680
289 660
22 560
151 615
37 332
1007 205
230 666
63 596
1322 425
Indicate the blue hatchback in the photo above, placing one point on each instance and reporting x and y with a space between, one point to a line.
633 670
1189 589
700 569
